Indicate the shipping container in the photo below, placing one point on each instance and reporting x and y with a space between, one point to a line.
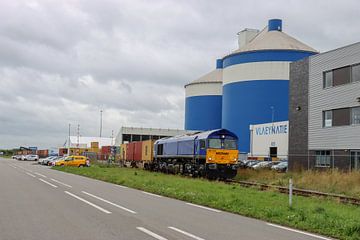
134 151
123 151
148 150
94 144
42 153
106 150
137 151
130 151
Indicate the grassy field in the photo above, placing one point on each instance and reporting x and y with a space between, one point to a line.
325 181
311 214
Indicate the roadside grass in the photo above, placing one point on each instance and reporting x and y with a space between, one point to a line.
322 216
332 181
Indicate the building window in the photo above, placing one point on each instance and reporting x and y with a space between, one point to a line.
328 79
327 116
355 115
323 158
341 76
355 73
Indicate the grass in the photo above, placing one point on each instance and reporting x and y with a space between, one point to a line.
311 214
332 181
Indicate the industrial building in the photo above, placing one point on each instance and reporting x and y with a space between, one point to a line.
324 110
132 134
269 141
255 84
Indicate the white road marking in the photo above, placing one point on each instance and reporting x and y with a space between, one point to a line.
12 166
67 185
122 186
89 203
186 233
32 175
47 183
154 235
297 231
151 194
207 208
114 204
39 174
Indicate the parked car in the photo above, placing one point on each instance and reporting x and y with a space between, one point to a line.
30 158
47 160
53 160
17 157
281 167
251 163
73 160
262 164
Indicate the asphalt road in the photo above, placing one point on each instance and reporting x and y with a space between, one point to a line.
37 202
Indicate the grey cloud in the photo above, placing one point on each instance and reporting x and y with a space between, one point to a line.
62 62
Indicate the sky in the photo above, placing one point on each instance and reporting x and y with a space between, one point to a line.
61 62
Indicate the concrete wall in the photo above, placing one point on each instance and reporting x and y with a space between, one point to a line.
298 115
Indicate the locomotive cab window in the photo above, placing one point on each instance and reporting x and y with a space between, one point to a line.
202 144
216 143
160 148
230 144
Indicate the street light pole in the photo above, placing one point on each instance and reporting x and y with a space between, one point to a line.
101 111
68 151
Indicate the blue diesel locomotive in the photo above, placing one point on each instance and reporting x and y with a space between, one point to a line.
211 154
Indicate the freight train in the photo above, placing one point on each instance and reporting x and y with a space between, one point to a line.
211 154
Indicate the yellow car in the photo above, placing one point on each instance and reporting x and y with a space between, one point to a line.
73 160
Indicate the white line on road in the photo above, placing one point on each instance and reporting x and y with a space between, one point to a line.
122 186
66 185
87 202
151 194
39 174
32 175
297 231
47 183
12 166
114 204
154 235
186 233
207 208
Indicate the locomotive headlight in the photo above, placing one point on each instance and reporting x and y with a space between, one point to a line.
210 158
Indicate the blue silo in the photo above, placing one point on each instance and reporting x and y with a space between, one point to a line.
203 101
256 79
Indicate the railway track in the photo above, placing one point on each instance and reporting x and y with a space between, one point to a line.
300 192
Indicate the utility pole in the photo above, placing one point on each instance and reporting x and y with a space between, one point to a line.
68 151
101 111
112 137
78 135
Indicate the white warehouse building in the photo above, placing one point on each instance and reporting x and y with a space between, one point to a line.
269 140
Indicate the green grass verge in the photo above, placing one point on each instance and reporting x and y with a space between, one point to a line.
321 216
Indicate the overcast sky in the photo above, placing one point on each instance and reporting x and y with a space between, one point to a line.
63 61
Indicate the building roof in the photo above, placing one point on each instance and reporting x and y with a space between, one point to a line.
274 40
86 141
148 131
214 76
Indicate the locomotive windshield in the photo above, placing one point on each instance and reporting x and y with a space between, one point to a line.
230 144
222 143
215 143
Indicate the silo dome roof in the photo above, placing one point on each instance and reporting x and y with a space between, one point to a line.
214 76
274 40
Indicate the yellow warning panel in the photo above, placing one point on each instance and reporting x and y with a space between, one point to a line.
222 156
